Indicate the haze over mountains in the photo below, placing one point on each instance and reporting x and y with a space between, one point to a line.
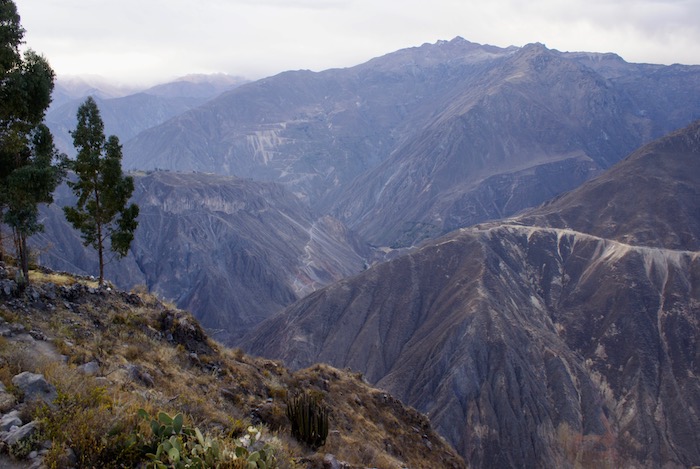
570 333
399 149
565 333
125 111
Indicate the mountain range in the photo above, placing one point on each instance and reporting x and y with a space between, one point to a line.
567 335
125 111
385 211
425 140
400 149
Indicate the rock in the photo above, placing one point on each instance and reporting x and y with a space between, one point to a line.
38 335
329 462
34 294
50 291
102 381
7 400
132 299
7 287
15 436
10 420
71 459
35 386
91 369
186 331
136 373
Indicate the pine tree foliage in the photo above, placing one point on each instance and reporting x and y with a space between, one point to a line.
29 185
101 212
30 168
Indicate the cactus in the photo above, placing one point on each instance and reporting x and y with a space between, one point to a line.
309 420
173 445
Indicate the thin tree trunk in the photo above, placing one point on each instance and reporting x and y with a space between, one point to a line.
100 241
24 256
2 246
22 251
100 254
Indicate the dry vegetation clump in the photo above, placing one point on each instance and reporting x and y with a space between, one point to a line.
119 360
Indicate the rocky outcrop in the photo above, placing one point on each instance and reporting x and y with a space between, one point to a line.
123 356
15 433
35 387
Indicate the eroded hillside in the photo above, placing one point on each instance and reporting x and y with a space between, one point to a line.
569 335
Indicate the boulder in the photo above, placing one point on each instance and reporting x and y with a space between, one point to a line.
21 433
7 400
34 386
91 369
330 462
10 420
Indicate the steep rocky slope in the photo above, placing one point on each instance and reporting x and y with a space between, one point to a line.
651 199
312 131
232 251
568 336
100 355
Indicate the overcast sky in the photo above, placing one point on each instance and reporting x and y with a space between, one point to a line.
148 41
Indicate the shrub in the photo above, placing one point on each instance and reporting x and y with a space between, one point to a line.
174 445
88 422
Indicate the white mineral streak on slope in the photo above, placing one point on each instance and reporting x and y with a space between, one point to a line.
320 246
264 144
657 261
186 203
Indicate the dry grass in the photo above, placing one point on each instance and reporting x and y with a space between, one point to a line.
219 390
36 276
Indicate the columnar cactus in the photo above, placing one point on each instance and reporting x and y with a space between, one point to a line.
309 420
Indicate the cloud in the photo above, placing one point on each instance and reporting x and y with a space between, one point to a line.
159 39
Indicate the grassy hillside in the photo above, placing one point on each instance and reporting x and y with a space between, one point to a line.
118 360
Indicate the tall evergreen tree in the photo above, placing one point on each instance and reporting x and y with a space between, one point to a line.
29 171
101 212
29 185
11 35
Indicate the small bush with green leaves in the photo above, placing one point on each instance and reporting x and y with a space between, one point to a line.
22 448
309 420
174 445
